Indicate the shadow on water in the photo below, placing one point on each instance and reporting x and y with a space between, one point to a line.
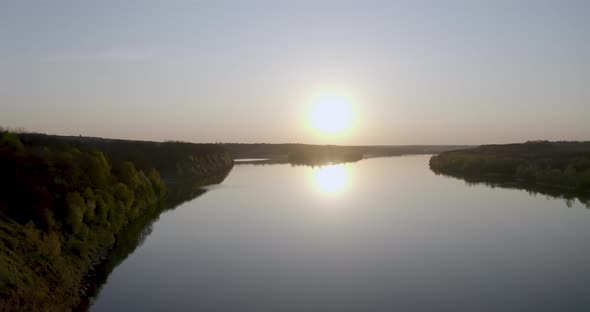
569 196
135 234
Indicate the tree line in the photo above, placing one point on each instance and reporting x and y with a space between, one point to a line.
553 164
63 200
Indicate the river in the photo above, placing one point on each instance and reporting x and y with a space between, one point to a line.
376 235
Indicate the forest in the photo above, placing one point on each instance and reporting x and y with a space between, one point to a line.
322 156
283 151
63 200
561 165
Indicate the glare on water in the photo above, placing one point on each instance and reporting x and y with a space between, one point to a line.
332 179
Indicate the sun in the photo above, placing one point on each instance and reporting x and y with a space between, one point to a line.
331 115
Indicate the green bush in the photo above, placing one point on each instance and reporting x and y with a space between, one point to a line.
63 200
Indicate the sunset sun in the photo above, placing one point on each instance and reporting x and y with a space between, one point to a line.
331 115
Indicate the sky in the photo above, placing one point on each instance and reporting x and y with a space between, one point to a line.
413 72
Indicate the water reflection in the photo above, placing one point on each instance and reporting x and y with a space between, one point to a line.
569 196
136 232
392 236
331 179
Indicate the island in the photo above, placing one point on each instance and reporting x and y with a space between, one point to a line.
319 155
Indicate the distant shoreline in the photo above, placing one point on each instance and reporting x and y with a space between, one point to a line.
561 168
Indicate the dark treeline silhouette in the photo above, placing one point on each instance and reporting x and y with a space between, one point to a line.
173 159
63 200
534 165
282 151
322 156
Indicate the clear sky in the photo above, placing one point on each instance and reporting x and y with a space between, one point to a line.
414 72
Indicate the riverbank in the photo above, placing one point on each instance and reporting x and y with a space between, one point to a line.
546 167
64 201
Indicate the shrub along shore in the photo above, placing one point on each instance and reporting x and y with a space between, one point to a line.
561 166
63 200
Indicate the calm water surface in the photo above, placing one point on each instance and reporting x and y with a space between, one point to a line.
377 235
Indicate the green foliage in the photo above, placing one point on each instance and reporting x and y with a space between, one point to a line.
75 211
156 181
127 174
51 244
97 168
79 248
555 164
70 202
11 140
123 194
63 200
90 201
104 202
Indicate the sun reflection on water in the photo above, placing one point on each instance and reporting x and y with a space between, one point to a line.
332 179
